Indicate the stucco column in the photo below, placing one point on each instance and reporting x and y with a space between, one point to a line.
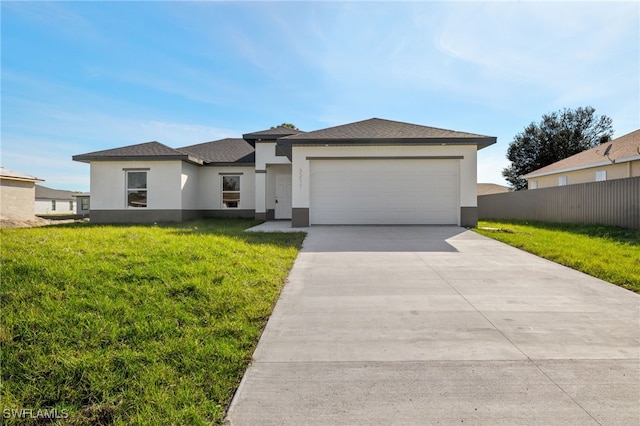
261 187
300 171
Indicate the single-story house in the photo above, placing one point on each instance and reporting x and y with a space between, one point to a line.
17 191
617 159
368 172
54 201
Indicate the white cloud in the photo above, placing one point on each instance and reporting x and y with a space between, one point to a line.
544 45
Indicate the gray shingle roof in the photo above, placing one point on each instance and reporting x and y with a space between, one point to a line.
376 128
271 134
230 150
143 151
376 131
42 192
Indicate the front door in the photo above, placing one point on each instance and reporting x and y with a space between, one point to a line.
283 196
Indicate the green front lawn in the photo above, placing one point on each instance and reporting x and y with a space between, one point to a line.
609 253
135 324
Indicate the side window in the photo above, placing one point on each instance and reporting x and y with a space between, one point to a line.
136 189
53 205
84 203
562 181
70 206
230 192
601 175
533 184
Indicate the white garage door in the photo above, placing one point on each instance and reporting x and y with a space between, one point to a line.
384 192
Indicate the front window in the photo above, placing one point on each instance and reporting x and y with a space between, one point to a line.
84 203
230 192
136 189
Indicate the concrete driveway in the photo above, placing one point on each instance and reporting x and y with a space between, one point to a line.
439 325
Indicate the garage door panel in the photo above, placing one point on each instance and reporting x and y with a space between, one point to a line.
384 192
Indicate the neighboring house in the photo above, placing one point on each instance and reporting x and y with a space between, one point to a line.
617 159
82 203
491 188
54 201
369 172
17 194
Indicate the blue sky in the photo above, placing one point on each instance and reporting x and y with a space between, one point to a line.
79 77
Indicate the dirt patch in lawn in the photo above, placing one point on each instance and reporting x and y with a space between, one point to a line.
12 222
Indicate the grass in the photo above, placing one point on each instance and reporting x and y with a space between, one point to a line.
135 324
609 253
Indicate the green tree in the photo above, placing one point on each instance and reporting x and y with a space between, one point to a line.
287 125
558 135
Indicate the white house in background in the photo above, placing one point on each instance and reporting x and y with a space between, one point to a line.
54 201
17 194
369 172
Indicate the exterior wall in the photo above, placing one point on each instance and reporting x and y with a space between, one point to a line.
17 199
266 154
268 164
189 186
79 209
611 202
164 179
210 187
614 171
177 191
301 170
44 206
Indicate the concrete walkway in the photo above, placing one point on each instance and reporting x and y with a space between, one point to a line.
439 325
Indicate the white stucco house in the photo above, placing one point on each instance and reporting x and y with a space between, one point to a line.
368 172
51 201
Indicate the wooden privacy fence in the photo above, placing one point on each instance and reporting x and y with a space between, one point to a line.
613 202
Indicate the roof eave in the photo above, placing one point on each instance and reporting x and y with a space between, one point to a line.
286 145
186 158
229 164
534 174
21 179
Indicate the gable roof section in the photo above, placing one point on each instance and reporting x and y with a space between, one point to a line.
44 193
623 149
376 131
7 174
230 150
144 151
270 134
